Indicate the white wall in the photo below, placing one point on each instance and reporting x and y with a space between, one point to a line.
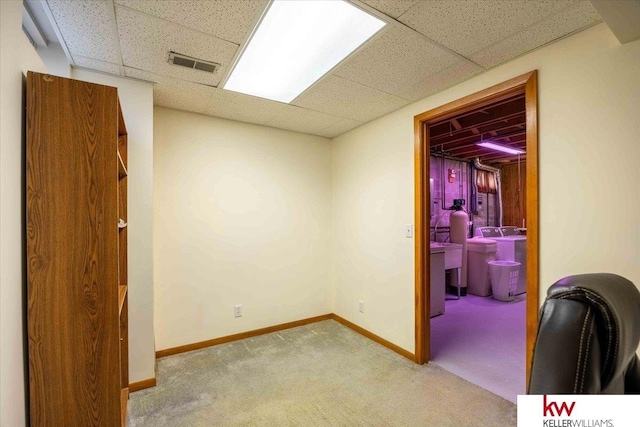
54 58
136 100
589 127
242 216
16 57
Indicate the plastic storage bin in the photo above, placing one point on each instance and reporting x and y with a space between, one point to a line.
504 279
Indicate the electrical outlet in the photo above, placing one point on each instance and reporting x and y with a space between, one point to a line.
361 306
237 310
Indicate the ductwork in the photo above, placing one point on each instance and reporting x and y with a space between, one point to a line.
478 165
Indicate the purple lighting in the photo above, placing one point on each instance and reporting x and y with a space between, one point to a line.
499 147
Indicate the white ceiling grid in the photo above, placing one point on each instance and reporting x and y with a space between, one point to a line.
394 60
434 83
469 26
351 100
205 15
95 64
174 93
188 96
427 47
392 8
87 28
146 41
577 16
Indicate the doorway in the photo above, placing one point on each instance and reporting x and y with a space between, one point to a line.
526 85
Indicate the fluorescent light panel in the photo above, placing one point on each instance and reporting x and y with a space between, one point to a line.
298 42
499 147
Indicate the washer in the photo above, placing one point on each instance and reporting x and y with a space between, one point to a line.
488 232
510 231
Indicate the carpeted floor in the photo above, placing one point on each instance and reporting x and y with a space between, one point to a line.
483 341
322 374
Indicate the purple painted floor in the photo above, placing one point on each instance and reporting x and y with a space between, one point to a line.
483 341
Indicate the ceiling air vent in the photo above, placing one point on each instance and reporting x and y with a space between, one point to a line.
193 63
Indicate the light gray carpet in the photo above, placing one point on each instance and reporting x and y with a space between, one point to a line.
483 341
322 374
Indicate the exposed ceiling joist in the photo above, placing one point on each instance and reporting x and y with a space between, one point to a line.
503 122
501 132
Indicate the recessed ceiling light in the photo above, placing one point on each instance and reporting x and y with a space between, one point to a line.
502 148
296 43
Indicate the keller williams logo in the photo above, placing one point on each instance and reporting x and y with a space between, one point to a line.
548 408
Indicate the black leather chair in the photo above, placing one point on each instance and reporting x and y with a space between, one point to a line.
588 335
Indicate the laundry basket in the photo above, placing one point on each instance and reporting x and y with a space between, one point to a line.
504 279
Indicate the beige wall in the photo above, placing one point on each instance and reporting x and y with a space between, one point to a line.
16 57
242 216
589 92
136 100
372 178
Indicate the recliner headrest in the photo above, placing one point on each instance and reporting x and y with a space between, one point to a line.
616 302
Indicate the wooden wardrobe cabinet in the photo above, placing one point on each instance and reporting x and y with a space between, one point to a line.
76 240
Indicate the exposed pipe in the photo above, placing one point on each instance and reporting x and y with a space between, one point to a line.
473 195
478 165
448 157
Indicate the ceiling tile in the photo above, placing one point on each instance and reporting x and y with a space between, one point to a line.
343 98
189 96
392 8
301 120
143 75
146 42
173 93
470 26
195 101
581 15
87 28
94 64
241 107
228 20
166 80
395 59
441 80
339 127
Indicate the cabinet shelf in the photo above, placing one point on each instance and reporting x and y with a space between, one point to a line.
89 115
122 169
122 293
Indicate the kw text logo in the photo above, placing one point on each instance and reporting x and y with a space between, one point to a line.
548 408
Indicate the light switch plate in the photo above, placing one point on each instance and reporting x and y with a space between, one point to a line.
408 231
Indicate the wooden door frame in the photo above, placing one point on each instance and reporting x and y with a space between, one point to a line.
527 84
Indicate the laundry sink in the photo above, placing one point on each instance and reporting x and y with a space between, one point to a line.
452 254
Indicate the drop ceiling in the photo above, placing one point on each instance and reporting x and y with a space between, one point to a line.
428 46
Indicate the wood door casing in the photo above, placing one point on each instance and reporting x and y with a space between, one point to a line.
527 84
